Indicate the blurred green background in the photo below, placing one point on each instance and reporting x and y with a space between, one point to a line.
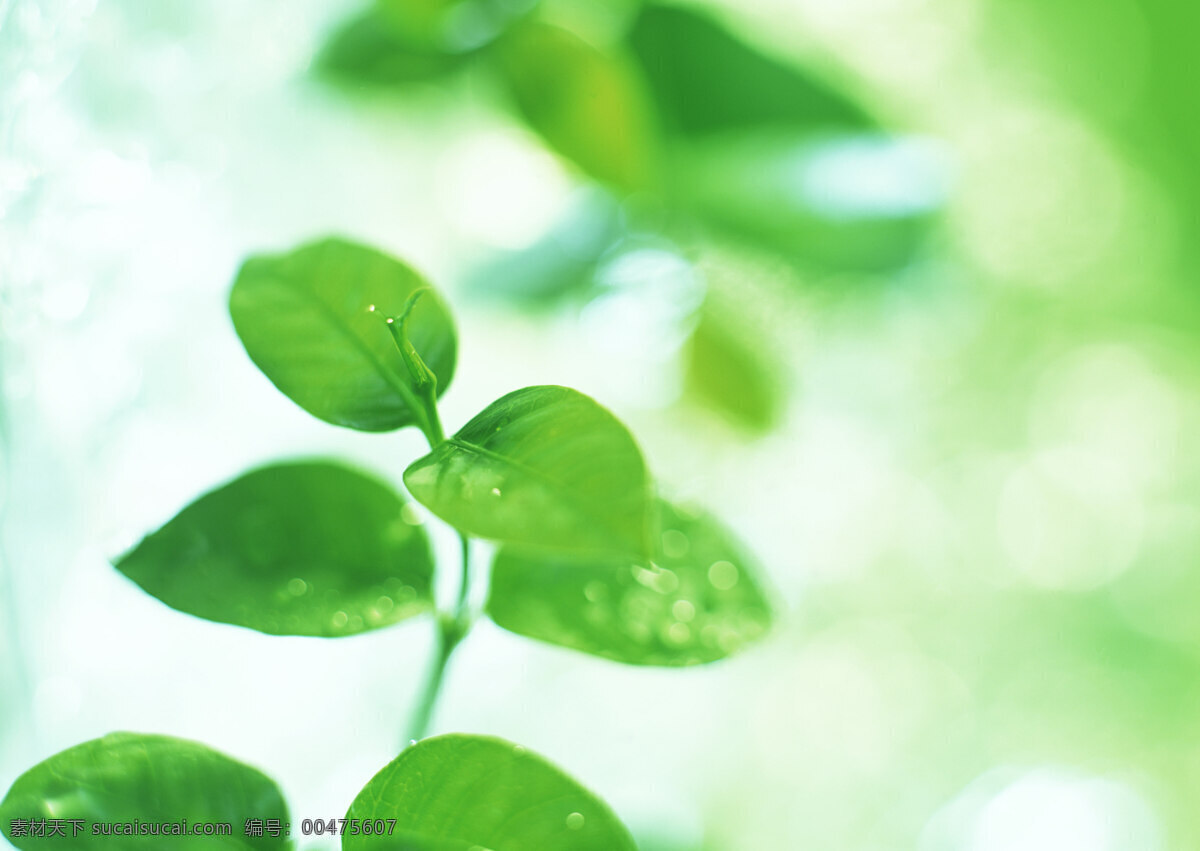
904 290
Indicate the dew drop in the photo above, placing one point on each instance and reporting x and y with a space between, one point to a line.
495 491
384 605
723 575
668 582
575 821
297 587
411 742
678 633
390 320
340 619
638 631
518 750
729 640
683 610
356 622
371 308
675 544
656 578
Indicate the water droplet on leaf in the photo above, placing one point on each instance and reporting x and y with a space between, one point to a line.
723 575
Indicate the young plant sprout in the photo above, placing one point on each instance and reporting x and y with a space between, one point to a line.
588 557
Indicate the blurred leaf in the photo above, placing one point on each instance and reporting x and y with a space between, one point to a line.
126 777
372 50
422 20
313 321
485 793
542 466
704 79
407 841
586 104
696 602
454 25
303 548
730 374
858 202
563 261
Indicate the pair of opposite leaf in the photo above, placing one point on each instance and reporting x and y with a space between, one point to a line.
589 558
447 793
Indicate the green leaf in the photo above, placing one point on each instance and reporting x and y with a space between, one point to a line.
415 842
698 601
704 79
129 777
301 548
543 466
372 50
561 263
313 320
478 791
586 104
844 202
729 374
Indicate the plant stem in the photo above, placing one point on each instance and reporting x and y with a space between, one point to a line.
454 625
464 587
423 713
452 629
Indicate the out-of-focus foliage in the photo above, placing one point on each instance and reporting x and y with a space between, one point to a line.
730 141
848 203
706 80
561 263
727 369
698 599
370 51
397 43
587 104
743 128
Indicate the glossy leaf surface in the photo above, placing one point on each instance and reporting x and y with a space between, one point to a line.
698 601
303 548
544 466
588 105
705 79
487 793
129 777
306 320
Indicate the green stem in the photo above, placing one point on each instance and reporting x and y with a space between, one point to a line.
423 713
454 625
452 629
464 586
